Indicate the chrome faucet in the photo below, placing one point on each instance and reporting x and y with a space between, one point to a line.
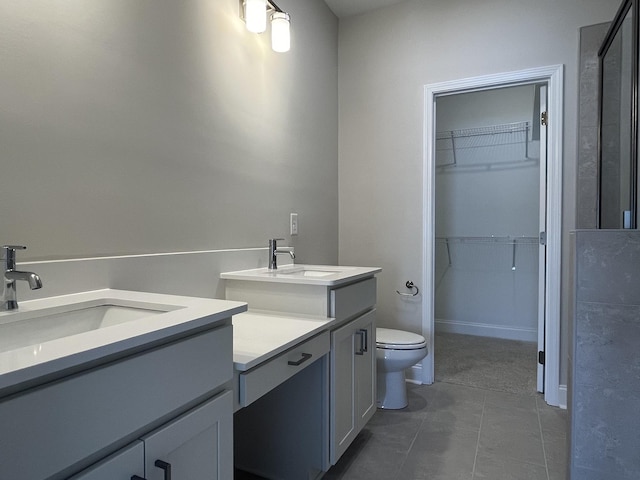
274 251
11 275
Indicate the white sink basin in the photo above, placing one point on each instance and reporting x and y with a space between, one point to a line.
320 275
304 271
32 328
49 336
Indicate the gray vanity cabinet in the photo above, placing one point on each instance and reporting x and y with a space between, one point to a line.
195 445
353 363
171 403
352 381
352 358
122 465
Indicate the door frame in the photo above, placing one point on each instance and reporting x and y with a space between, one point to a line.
552 76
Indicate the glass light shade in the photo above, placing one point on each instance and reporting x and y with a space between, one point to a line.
255 15
280 33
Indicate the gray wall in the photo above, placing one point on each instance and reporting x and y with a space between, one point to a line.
385 59
137 126
605 359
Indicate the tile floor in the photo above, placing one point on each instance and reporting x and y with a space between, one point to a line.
456 432
482 419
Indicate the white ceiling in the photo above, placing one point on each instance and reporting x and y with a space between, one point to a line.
345 8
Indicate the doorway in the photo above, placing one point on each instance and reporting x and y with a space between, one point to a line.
442 153
489 192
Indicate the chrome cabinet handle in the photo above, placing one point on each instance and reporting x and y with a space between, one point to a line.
305 357
164 466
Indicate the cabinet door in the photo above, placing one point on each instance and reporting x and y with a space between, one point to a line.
342 412
196 446
365 367
353 381
122 465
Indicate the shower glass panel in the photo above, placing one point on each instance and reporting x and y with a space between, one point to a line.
617 139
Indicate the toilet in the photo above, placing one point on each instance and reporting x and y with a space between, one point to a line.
396 350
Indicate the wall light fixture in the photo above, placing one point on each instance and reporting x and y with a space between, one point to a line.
255 12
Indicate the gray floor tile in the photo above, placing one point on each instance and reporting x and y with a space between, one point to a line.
440 453
557 472
368 459
553 421
511 419
420 397
519 445
497 467
511 432
510 400
452 396
395 432
555 452
467 416
448 429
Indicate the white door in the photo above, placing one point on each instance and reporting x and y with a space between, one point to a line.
542 248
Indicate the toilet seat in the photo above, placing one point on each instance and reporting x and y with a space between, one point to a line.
391 339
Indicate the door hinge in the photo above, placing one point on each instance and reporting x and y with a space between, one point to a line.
544 119
543 238
541 358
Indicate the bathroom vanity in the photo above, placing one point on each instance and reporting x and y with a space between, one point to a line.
313 388
89 402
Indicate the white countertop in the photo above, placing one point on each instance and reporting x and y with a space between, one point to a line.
327 275
27 364
260 335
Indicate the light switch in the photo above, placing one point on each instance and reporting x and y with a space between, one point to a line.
293 223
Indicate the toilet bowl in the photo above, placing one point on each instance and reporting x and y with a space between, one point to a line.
396 350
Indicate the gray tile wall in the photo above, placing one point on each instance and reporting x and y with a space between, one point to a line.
605 379
591 38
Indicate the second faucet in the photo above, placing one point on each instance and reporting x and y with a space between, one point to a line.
274 251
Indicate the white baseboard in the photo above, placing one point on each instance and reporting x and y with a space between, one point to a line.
562 396
487 330
414 374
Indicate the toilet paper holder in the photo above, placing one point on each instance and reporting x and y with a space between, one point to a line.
409 284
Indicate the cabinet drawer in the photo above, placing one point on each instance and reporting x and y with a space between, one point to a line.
71 420
349 301
258 381
121 465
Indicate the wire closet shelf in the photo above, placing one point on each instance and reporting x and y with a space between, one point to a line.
514 243
505 145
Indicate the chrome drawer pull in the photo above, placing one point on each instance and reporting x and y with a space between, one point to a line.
305 357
